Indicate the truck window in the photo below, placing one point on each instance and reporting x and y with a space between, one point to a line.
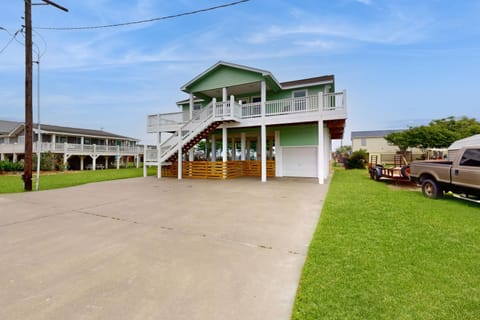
471 158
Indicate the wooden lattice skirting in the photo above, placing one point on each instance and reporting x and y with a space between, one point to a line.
219 169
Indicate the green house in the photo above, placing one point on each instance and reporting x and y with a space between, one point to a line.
241 121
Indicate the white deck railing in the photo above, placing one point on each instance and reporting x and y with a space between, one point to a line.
329 102
335 101
165 119
73 148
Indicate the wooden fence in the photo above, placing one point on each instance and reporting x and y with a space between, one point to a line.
219 169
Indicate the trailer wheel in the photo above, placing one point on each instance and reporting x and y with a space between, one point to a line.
405 171
431 189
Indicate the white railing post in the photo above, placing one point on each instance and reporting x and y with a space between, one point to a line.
232 103
344 100
320 101
263 98
214 105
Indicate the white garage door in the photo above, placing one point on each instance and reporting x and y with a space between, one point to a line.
299 161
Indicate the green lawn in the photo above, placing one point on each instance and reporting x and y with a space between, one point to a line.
384 253
14 183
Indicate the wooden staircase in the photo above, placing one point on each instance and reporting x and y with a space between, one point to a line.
202 135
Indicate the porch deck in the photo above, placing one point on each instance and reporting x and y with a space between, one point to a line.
329 106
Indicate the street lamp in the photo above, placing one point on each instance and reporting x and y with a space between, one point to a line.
27 171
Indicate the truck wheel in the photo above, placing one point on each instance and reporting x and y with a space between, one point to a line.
431 189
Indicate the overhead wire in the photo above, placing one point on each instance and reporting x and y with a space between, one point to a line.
13 37
146 20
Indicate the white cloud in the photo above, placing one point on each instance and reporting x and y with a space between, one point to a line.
367 2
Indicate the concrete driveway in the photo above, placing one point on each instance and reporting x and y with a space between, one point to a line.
157 249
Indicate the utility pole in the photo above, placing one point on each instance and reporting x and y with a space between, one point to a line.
27 171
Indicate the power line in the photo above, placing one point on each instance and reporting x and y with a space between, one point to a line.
147 20
13 37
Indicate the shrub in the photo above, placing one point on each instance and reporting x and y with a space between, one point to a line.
357 160
6 165
49 162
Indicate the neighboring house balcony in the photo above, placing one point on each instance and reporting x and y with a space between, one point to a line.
73 148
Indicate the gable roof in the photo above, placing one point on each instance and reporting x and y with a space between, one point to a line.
373 133
263 73
47 128
6 127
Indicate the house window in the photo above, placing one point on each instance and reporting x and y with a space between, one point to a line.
300 100
363 142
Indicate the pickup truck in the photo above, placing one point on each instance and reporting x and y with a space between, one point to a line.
460 176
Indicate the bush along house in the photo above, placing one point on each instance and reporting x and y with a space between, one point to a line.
241 121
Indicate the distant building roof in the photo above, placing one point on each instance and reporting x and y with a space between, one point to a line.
7 126
308 82
373 133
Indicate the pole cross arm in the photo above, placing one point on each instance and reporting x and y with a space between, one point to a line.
56 5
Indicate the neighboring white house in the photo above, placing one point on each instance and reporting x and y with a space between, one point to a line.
79 148
375 144
266 127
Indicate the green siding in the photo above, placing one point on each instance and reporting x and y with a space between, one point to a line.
284 94
224 77
304 135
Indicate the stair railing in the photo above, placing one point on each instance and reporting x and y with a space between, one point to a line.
189 130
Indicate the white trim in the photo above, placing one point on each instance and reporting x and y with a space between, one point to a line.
308 84
278 155
185 101
321 153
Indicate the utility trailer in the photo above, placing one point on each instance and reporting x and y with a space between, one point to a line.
399 171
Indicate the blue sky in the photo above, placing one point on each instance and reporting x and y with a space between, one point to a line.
402 62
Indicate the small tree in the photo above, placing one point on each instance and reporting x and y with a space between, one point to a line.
438 134
357 160
49 162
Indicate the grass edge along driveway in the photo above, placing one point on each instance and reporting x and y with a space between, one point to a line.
64 179
384 253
